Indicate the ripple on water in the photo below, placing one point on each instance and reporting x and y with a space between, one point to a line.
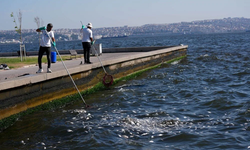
201 102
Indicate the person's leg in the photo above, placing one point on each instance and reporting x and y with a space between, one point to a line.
86 51
88 55
88 47
40 55
48 52
85 47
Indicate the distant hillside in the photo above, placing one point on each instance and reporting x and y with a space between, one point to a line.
226 25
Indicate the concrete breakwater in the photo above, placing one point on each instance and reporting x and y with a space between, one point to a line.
21 89
80 51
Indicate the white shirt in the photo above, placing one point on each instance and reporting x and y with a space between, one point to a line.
86 35
45 42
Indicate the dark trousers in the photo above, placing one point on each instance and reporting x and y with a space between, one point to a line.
40 55
86 50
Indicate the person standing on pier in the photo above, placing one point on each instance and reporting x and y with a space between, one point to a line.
45 46
87 41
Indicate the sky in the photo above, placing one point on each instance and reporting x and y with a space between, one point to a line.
117 13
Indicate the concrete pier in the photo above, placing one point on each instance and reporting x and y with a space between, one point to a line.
21 89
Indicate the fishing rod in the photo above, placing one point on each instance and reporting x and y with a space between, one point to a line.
81 57
67 71
82 24
107 79
98 57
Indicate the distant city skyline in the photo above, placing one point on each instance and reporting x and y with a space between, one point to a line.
117 13
226 25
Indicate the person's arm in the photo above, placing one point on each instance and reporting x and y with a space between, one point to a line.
91 37
92 41
40 29
53 39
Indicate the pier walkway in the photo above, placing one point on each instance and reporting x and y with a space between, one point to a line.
6 75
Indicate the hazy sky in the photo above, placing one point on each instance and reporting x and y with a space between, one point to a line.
114 13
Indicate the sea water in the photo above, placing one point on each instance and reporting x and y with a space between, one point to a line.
200 102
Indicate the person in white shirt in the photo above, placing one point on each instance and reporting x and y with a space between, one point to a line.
87 41
45 46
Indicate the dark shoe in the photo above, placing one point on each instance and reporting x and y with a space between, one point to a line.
89 62
49 70
39 71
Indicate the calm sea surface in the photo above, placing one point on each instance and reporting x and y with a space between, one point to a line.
201 102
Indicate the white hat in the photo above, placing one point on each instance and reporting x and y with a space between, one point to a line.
89 25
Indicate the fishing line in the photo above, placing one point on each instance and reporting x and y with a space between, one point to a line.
67 71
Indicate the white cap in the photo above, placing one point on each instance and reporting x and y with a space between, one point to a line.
89 25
